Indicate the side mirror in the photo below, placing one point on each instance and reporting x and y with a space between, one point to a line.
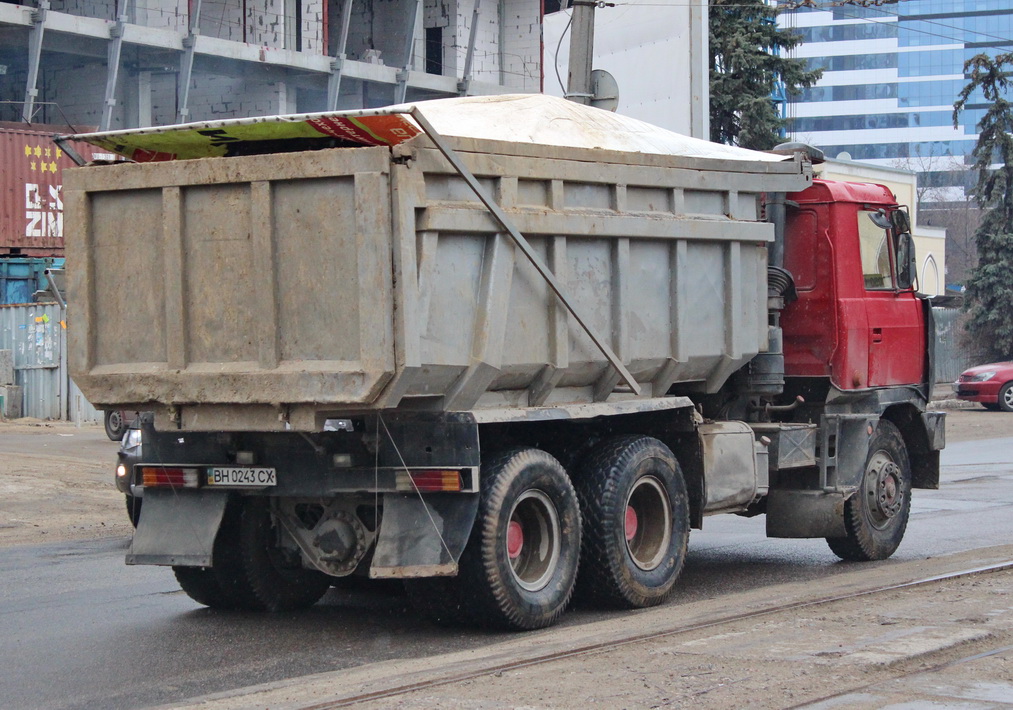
900 221
880 219
907 265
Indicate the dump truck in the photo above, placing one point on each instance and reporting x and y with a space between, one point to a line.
501 348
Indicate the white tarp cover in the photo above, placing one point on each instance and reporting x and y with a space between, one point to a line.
520 118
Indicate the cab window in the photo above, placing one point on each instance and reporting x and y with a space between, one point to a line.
875 248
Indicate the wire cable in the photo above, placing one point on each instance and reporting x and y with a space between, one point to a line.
555 57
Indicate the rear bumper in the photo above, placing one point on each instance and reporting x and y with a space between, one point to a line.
383 483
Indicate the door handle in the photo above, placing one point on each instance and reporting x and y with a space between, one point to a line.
877 335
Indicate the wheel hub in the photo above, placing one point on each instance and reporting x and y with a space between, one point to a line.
515 540
533 540
888 489
631 523
648 523
331 539
884 490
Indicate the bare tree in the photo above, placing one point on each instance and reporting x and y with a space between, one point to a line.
947 206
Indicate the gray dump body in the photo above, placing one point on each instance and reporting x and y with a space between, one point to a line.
278 290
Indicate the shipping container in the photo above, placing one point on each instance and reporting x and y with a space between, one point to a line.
21 277
31 189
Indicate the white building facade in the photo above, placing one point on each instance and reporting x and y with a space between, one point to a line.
657 52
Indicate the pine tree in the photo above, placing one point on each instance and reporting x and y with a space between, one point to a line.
744 69
989 287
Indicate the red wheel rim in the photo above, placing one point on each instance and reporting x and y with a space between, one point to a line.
515 539
631 523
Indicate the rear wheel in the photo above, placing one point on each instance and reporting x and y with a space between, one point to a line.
201 585
250 570
520 565
636 512
1006 397
875 517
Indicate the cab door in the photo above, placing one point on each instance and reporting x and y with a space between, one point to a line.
896 326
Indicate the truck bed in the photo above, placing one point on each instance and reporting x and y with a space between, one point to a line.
278 290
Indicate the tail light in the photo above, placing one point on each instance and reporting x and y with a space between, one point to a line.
170 477
430 480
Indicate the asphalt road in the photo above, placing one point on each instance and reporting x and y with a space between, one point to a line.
79 629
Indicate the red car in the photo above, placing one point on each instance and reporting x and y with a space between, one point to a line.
991 384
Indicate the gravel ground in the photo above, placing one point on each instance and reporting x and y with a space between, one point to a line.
56 484
941 644
861 650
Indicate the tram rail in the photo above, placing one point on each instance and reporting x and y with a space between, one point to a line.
615 643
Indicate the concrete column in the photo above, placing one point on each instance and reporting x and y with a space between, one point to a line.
144 99
578 84
699 70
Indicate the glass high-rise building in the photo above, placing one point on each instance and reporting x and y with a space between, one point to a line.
891 75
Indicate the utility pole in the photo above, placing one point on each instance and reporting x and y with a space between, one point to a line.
578 81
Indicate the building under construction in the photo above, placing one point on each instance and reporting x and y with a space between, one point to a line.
125 63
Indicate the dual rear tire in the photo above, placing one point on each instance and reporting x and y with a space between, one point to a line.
520 564
251 572
520 567
634 501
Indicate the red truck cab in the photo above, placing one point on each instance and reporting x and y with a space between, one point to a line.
857 319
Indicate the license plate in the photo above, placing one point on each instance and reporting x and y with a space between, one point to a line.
242 476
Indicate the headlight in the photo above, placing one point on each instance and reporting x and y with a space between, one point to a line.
983 376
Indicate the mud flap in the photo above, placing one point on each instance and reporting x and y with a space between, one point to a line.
806 513
177 528
416 542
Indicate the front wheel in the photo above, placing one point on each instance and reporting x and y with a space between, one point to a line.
636 512
520 565
876 516
1006 397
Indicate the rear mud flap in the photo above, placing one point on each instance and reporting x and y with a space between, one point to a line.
177 528
422 537
806 513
